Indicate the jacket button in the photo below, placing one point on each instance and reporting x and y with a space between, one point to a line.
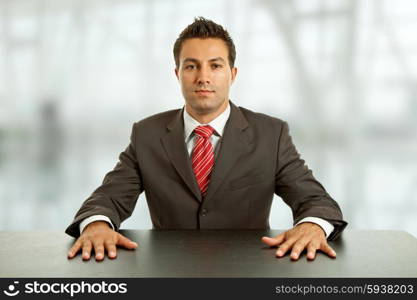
204 212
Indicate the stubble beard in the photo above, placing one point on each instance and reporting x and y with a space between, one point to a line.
205 106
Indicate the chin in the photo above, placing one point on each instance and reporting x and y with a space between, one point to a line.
205 107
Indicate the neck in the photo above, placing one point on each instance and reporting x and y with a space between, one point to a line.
205 118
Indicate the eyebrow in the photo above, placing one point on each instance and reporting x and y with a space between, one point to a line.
194 60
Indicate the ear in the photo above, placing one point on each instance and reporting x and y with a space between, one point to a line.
176 73
234 73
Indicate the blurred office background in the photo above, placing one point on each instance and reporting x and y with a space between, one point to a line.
75 75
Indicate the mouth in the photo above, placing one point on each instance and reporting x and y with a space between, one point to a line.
204 92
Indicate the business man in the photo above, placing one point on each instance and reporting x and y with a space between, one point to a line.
208 165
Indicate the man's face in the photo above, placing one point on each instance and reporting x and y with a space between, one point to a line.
205 75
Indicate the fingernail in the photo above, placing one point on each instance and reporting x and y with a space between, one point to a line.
112 253
279 253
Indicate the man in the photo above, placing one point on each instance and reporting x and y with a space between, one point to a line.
209 165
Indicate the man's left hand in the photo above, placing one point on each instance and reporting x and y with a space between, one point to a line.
306 235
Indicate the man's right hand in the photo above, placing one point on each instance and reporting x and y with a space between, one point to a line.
101 237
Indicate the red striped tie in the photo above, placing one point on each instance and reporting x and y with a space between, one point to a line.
203 157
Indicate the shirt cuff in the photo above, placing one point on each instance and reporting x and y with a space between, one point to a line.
92 219
326 226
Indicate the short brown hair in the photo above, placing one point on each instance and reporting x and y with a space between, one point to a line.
203 29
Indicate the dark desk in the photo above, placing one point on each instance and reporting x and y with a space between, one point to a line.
209 254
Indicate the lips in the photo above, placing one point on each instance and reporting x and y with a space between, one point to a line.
204 91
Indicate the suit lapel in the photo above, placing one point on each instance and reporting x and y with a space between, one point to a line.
174 144
236 140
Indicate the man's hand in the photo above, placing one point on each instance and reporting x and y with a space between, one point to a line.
99 235
305 235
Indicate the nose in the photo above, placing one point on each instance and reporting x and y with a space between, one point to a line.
203 76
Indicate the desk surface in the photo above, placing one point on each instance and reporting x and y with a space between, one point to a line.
209 253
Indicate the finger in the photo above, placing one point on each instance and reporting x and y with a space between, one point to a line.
99 249
125 242
74 249
283 248
328 250
86 249
279 239
299 247
111 249
311 250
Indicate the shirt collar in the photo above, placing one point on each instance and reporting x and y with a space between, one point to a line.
218 123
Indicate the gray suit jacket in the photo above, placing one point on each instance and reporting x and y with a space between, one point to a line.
256 159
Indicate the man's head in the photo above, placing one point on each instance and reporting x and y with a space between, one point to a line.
203 29
204 56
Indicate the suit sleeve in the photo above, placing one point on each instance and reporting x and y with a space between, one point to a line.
116 197
296 185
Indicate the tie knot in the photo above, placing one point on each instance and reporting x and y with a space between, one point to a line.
204 131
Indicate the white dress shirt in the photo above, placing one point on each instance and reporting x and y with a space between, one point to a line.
218 124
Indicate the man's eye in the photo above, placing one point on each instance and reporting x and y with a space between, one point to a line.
189 67
216 66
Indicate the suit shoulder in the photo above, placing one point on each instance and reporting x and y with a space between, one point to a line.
257 117
156 120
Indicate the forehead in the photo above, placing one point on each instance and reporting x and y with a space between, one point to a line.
203 49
